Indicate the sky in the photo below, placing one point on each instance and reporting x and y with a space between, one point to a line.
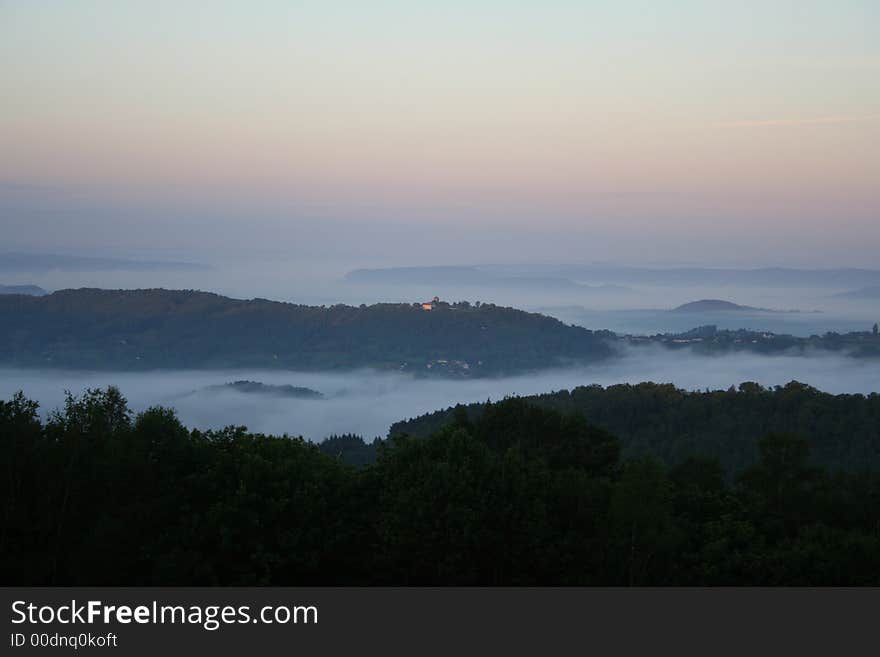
736 133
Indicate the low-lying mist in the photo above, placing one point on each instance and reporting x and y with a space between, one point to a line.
368 402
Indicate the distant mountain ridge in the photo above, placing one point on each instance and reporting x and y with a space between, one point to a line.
30 290
719 305
178 329
714 305
471 276
591 275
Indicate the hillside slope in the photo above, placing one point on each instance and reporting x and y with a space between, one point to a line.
660 419
152 329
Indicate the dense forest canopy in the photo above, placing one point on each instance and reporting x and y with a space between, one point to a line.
267 389
843 431
521 494
155 329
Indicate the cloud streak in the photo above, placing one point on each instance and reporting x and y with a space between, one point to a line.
818 120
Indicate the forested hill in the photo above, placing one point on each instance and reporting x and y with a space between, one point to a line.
152 329
520 496
843 431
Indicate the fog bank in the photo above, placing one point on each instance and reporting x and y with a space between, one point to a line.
368 402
